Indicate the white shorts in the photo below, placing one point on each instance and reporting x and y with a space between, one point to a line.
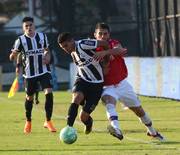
122 92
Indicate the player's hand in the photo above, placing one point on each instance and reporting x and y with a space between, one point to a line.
46 58
13 55
17 70
123 51
98 56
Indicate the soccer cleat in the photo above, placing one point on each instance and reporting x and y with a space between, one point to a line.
157 136
27 127
115 132
49 126
88 128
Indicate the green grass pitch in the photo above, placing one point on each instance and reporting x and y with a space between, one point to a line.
164 113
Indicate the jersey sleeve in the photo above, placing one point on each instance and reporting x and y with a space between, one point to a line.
17 45
88 44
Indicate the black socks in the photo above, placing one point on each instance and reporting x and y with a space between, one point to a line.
49 106
72 113
28 108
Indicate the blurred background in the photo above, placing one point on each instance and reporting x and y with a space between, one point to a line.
148 28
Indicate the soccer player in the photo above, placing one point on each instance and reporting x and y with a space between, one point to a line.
116 87
88 85
36 57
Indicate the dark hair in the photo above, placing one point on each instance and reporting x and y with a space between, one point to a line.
64 36
102 26
28 19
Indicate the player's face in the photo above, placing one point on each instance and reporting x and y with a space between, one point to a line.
68 46
29 28
102 34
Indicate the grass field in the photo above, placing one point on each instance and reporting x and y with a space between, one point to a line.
164 113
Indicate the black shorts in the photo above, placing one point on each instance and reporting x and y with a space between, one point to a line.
45 81
92 93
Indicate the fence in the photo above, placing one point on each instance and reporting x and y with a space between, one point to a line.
164 23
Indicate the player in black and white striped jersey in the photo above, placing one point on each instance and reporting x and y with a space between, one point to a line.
89 82
32 49
35 59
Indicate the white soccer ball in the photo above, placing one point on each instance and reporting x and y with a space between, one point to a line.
68 135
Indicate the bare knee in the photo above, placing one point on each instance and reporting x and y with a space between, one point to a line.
107 99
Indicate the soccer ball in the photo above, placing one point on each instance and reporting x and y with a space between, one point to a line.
68 135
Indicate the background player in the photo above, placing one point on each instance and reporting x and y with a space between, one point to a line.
34 48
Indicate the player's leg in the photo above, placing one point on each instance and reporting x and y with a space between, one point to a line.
29 85
92 96
45 81
146 120
37 94
130 100
109 100
77 99
37 97
87 120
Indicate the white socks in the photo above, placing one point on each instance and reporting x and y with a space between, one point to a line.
113 118
112 115
148 123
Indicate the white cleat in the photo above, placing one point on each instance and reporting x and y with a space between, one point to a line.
115 132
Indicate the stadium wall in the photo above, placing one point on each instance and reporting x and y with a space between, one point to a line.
159 77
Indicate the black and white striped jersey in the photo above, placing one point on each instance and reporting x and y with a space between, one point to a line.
88 69
32 49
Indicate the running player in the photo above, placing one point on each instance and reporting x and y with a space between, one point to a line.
34 48
116 87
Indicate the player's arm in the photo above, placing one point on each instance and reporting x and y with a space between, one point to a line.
115 51
91 44
47 56
16 49
13 55
118 50
18 63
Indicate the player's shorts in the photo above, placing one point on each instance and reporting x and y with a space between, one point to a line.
91 91
122 92
31 84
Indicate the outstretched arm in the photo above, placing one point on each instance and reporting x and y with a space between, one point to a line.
114 51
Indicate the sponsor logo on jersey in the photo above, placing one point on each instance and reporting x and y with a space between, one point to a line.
88 42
